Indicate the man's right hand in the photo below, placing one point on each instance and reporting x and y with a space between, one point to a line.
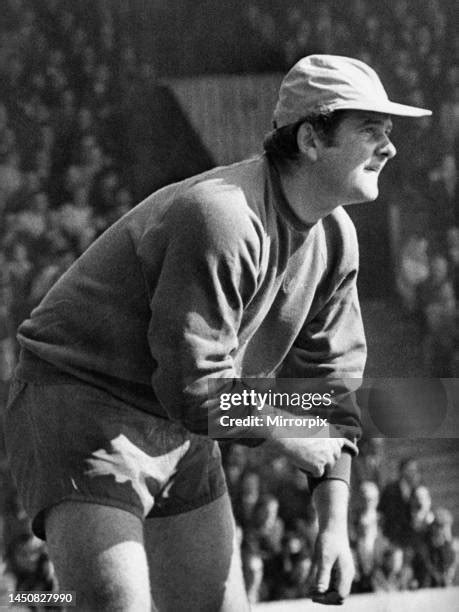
313 455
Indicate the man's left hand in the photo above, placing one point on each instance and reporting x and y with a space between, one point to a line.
332 570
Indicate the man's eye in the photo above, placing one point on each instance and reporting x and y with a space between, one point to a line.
377 132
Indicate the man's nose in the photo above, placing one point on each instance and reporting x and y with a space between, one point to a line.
387 148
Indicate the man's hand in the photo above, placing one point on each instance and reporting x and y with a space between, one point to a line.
332 569
311 455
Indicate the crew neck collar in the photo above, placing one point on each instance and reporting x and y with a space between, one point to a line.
281 203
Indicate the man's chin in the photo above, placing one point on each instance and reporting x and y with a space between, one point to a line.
373 197
365 197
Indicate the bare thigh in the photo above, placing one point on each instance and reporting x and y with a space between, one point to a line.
195 562
98 552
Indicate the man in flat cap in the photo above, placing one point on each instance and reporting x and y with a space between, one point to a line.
244 272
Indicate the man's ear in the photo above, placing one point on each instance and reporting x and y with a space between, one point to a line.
307 141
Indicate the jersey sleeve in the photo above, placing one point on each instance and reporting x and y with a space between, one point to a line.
208 276
331 346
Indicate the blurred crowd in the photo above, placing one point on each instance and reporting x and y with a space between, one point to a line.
69 75
428 288
64 175
69 72
413 44
400 540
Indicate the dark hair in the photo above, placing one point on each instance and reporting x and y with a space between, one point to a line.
282 144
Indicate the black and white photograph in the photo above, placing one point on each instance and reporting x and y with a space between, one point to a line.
229 284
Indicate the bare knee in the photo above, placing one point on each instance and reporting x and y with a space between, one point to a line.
98 552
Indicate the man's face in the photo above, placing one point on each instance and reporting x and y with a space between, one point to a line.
410 473
349 169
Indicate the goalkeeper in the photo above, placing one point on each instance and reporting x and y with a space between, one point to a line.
245 271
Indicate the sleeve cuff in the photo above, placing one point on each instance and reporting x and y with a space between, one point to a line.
340 471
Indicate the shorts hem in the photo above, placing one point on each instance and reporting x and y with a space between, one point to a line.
38 522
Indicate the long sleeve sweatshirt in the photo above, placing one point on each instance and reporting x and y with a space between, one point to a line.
214 277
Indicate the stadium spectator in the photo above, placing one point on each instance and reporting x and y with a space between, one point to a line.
367 539
437 305
247 498
23 555
234 458
413 270
7 583
75 221
393 574
267 526
368 465
442 195
286 572
90 161
394 504
252 567
32 569
434 559
421 509
104 189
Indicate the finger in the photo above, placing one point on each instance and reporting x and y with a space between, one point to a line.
337 454
341 580
316 469
351 446
335 451
324 568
